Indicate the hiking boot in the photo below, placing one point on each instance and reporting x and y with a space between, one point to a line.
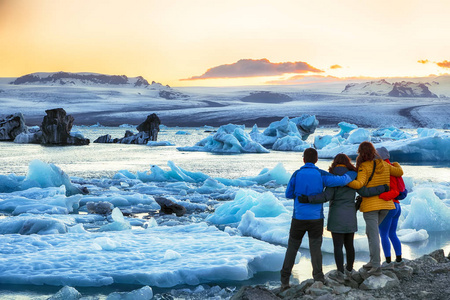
284 286
368 265
399 264
338 276
375 271
348 274
387 266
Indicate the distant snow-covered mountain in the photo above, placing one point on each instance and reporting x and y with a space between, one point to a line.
89 79
396 89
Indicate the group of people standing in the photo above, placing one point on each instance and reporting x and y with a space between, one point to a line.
374 178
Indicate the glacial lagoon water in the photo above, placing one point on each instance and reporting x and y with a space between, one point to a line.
105 160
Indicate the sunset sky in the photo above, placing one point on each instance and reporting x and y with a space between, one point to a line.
215 42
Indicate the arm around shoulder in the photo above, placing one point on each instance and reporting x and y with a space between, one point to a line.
325 196
396 170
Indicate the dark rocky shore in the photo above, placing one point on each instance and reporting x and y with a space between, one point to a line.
427 277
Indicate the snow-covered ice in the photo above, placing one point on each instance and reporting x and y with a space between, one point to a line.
135 257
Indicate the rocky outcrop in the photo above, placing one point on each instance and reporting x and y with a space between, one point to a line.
266 97
66 78
12 126
384 88
148 131
100 208
426 277
170 95
411 89
56 128
169 207
150 126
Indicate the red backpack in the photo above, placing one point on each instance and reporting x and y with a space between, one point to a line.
401 188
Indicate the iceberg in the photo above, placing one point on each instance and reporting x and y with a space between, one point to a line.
426 211
346 128
118 223
290 143
421 149
144 293
262 205
412 235
283 128
40 175
32 225
228 139
306 125
176 173
391 133
358 136
159 143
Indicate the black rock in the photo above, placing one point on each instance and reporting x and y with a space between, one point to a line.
12 126
56 128
170 207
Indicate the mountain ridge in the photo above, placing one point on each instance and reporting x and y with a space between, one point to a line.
84 78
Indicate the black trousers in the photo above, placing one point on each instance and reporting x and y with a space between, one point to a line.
346 240
296 233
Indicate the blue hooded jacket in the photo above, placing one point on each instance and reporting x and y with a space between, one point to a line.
310 180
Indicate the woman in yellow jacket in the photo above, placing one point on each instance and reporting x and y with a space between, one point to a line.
373 208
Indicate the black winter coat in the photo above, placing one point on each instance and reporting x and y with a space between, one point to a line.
342 212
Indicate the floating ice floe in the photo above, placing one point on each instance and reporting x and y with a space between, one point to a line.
40 175
228 139
286 134
182 132
346 128
135 257
159 143
278 174
36 201
391 133
428 146
247 200
425 211
118 223
412 235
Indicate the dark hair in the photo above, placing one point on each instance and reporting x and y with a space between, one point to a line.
310 155
342 159
366 152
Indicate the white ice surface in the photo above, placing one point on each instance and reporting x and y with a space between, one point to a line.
135 257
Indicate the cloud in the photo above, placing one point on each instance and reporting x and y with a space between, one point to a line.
254 68
444 64
302 79
335 67
423 61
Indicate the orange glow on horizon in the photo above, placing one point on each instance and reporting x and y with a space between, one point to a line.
171 40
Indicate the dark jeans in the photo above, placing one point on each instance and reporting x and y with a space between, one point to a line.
296 233
346 240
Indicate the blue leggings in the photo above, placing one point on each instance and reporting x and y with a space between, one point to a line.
388 232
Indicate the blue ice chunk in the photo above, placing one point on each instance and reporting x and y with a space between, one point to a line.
358 136
124 174
262 205
290 143
346 128
32 225
391 133
228 139
427 211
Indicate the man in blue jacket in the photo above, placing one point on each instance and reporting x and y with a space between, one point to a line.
307 217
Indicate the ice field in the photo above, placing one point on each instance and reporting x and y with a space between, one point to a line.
235 227
229 173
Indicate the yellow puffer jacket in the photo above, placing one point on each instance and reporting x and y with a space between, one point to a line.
381 176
